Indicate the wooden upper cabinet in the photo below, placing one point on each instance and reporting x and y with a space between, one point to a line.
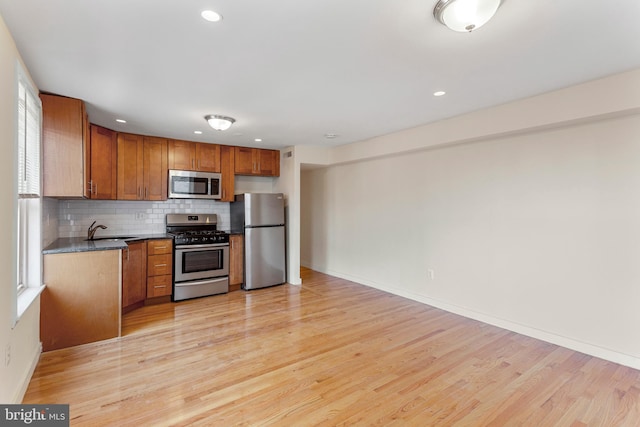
194 156
155 170
130 166
208 157
182 155
255 161
227 164
102 183
65 147
244 161
269 162
142 167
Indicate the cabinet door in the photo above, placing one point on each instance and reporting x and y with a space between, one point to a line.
155 168
244 161
208 157
134 274
64 147
182 155
236 264
227 158
269 162
130 176
103 163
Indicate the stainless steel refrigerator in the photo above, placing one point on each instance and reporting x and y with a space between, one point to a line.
261 217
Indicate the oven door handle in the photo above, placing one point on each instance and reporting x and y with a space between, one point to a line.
206 245
202 282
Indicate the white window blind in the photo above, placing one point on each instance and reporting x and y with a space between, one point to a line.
28 143
29 211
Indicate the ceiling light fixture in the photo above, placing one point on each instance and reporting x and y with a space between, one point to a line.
219 122
197 132
465 15
211 16
121 121
439 93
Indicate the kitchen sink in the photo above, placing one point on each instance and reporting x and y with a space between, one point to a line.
109 238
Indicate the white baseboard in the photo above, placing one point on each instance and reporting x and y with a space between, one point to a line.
572 344
27 379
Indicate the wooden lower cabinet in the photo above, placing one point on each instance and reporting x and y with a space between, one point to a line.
236 262
159 268
81 303
134 276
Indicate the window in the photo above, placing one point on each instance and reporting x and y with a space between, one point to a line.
28 239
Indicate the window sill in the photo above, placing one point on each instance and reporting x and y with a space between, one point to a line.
26 298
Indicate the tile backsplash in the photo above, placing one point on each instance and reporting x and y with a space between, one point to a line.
128 218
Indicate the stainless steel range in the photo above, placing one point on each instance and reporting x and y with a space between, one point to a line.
201 256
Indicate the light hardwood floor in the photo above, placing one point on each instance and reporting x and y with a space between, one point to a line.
328 353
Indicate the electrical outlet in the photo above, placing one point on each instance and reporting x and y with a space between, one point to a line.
140 215
430 274
7 355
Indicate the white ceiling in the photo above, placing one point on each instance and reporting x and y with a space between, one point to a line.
291 71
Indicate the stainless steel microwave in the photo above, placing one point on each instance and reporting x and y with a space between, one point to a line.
194 185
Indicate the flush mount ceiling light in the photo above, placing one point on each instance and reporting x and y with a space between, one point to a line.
219 122
465 15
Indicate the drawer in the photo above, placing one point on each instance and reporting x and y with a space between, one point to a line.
157 247
159 265
158 286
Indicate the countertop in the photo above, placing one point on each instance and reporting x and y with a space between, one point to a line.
80 244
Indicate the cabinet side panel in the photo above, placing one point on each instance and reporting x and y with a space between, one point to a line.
81 302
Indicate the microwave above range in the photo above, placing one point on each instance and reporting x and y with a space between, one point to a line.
194 185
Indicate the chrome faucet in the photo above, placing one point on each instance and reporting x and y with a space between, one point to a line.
92 230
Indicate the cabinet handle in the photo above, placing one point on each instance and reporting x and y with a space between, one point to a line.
161 247
145 193
193 164
90 187
163 286
139 193
160 265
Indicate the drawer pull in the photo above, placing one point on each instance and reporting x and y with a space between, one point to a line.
161 265
161 247
163 286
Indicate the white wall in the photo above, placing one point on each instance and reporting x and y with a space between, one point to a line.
23 339
536 230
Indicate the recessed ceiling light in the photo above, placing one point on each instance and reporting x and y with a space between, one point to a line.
197 132
258 140
211 16
330 135
439 93
121 121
